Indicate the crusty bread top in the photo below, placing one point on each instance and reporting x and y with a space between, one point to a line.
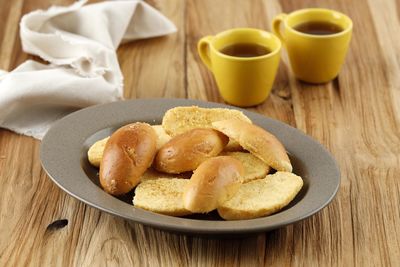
212 183
185 152
262 197
254 168
163 195
127 155
95 152
182 119
257 141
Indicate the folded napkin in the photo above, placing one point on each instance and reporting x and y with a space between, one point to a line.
79 42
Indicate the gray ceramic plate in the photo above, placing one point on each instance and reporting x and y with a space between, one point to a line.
64 148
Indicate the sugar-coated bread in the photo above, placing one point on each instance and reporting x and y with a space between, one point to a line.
257 141
185 152
182 119
254 168
95 152
214 182
163 195
261 197
127 155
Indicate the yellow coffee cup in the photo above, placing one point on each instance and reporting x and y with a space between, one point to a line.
242 80
314 57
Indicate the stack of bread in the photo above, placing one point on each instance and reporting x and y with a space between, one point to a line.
197 161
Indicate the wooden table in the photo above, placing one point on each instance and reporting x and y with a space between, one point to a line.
356 117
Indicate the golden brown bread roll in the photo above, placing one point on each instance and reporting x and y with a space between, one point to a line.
215 181
95 152
127 155
187 151
257 141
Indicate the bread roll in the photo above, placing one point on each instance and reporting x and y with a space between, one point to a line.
262 197
127 155
187 151
95 152
257 141
214 182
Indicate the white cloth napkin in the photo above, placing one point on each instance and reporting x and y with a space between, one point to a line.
79 42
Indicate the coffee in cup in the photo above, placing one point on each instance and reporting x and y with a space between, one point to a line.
316 40
244 63
318 28
245 50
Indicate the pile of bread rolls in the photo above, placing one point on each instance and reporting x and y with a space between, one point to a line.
197 161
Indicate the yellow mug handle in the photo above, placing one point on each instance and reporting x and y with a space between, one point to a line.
276 26
203 47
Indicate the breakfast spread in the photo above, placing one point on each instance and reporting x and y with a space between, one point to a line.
197 161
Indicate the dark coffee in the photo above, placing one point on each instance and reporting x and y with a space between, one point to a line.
245 50
318 28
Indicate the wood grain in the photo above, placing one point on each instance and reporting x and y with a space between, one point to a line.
357 117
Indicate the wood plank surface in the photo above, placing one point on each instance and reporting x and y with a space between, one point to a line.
356 117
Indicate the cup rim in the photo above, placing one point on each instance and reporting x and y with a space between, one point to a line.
305 10
274 52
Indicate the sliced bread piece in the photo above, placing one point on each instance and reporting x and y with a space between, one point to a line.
162 136
182 119
257 141
254 168
262 197
95 152
163 195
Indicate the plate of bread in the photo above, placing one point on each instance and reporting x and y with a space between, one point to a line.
190 166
